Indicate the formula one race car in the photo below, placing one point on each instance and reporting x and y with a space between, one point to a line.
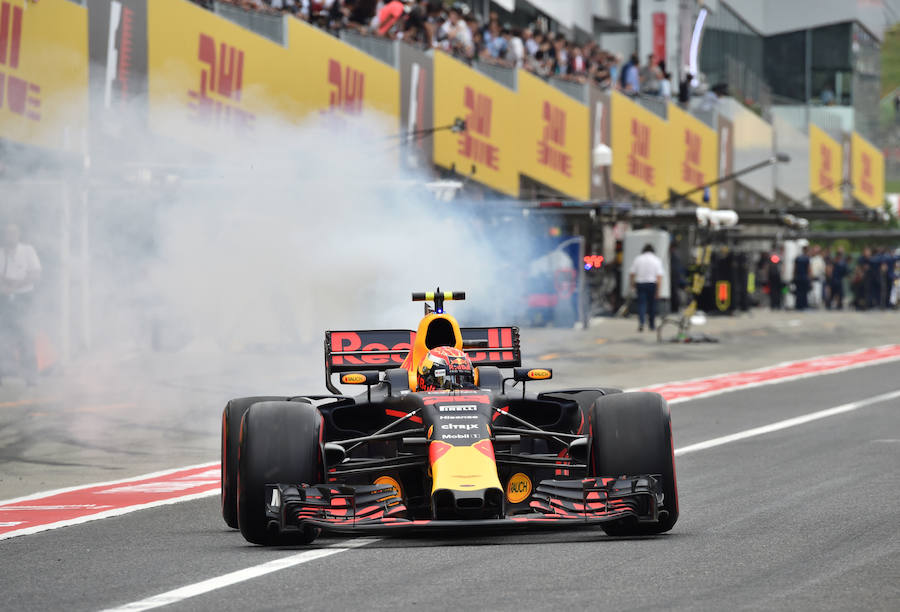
441 439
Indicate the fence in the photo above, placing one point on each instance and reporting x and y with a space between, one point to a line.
383 49
264 24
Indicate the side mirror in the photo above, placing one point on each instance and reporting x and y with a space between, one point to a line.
523 375
526 374
360 378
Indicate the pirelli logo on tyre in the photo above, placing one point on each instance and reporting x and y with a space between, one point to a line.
518 488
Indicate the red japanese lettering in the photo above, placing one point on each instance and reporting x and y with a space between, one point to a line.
825 171
865 182
638 159
10 41
221 84
20 96
554 135
479 106
478 122
693 144
349 88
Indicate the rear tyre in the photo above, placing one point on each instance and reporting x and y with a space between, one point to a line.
231 436
280 443
632 435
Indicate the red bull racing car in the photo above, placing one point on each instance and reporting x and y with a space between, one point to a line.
443 439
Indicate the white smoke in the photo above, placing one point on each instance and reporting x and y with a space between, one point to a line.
193 278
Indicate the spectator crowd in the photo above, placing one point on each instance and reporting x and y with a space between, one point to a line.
457 30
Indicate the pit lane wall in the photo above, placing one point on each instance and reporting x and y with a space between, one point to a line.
186 69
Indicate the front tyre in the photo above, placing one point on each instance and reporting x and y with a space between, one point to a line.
231 436
631 434
280 443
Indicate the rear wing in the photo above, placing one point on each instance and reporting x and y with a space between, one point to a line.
383 349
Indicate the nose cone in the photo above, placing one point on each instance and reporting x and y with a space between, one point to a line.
465 482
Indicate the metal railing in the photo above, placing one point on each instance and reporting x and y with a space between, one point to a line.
655 104
380 48
574 89
704 113
265 24
748 87
502 74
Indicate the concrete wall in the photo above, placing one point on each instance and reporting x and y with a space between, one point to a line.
792 178
753 143
776 16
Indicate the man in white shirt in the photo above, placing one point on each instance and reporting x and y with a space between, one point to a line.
646 277
20 270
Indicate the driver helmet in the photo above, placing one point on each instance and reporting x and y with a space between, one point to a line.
446 367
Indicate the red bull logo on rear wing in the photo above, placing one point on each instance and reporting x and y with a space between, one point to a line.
383 349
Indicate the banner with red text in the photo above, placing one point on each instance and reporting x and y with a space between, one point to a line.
639 146
486 150
553 137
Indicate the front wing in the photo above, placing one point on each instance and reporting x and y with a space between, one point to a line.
376 508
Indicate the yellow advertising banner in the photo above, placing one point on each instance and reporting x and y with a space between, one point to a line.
338 78
485 151
208 74
553 139
866 172
825 166
44 73
693 156
639 145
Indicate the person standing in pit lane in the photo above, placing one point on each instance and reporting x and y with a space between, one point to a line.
801 279
20 270
646 277
817 276
836 281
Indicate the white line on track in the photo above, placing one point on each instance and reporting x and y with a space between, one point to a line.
787 423
199 588
212 584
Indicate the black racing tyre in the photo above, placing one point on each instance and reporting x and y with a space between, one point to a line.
632 435
280 443
231 436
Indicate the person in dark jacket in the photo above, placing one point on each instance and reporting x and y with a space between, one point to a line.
776 285
865 265
802 279
836 280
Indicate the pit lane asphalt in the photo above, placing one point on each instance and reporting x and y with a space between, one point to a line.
113 416
803 518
